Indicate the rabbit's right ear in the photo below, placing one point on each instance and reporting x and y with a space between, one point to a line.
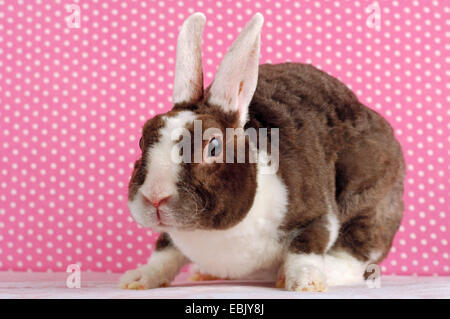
188 86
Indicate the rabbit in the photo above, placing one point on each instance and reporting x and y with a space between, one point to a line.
331 208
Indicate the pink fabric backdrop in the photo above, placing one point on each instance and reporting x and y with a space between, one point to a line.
73 100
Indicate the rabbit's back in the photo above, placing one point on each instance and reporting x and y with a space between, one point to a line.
308 104
328 140
290 95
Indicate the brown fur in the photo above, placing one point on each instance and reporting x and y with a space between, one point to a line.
150 136
225 190
331 145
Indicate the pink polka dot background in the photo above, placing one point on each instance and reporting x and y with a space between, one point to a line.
73 100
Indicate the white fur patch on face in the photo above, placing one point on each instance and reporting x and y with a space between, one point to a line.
162 172
249 250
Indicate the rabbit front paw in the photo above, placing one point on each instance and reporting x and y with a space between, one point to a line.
143 278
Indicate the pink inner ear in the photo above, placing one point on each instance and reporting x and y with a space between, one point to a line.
241 84
236 78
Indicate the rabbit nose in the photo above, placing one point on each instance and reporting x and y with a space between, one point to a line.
156 202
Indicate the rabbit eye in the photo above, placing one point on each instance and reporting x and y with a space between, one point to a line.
214 147
141 143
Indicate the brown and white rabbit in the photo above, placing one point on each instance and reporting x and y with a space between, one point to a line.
332 207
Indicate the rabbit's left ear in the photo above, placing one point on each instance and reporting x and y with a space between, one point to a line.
235 82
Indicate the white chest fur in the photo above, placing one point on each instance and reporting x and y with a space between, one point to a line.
250 249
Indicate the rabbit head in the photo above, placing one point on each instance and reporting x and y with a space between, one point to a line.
209 188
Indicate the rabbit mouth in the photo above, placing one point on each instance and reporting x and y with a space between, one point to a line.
158 215
164 219
161 218
161 224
